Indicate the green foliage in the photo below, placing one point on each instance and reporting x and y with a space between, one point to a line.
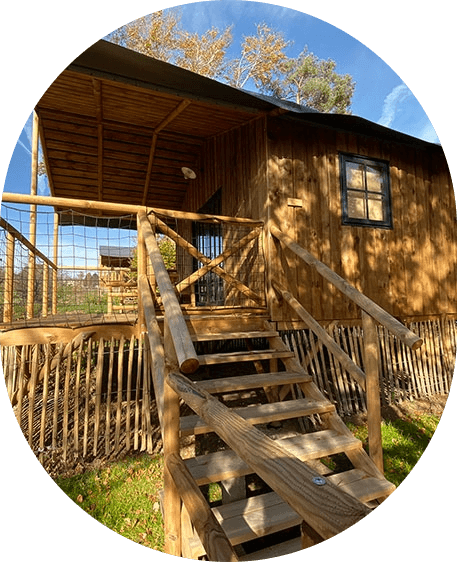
262 62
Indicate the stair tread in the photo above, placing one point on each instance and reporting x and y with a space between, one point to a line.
262 413
245 382
233 335
268 513
255 517
364 488
221 465
280 549
238 356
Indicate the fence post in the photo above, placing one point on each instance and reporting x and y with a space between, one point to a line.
372 367
9 279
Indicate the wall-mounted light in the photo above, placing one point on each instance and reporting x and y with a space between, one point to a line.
188 173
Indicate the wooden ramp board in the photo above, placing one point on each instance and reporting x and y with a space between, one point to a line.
257 334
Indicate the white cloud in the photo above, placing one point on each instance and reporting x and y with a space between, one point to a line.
392 102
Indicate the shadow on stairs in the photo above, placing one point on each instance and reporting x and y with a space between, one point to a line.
278 468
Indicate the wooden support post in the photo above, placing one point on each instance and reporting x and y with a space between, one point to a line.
8 307
172 500
55 258
371 360
33 208
141 271
44 305
212 536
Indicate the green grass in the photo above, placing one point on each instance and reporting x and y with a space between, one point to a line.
124 496
403 441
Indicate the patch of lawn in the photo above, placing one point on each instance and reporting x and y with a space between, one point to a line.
124 497
403 441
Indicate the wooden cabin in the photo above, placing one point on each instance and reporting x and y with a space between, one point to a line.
315 274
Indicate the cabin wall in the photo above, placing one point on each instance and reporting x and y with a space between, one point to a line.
408 270
235 163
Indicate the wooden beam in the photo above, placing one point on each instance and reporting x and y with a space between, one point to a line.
408 337
168 119
324 506
185 351
192 250
10 228
121 209
212 536
346 362
372 363
33 218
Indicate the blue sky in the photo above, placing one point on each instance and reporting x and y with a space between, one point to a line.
380 95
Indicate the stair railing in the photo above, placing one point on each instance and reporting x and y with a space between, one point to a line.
184 347
372 313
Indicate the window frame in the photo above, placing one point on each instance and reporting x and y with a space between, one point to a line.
387 222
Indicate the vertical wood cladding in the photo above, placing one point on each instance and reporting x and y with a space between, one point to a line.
288 173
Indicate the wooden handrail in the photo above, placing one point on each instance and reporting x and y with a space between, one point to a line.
120 208
155 343
346 362
327 508
184 347
14 232
212 536
405 335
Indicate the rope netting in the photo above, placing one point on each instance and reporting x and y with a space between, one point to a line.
80 268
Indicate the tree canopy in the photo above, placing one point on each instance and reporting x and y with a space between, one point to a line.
262 63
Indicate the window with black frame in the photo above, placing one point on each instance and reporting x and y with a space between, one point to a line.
365 191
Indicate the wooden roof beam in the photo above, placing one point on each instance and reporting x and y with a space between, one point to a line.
168 119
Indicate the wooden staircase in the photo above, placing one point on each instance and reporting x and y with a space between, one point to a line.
247 366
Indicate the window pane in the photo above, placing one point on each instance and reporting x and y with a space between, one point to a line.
374 178
354 175
375 208
356 205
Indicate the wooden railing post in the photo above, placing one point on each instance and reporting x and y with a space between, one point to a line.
172 499
372 366
9 279
184 347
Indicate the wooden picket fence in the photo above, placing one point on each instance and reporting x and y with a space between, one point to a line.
405 374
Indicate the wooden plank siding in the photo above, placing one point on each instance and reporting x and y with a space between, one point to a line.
287 172
408 270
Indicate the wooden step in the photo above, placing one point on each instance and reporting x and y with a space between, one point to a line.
234 335
263 413
221 465
251 518
241 356
246 382
280 549
364 488
265 514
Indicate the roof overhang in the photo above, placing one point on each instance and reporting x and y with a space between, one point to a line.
119 126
